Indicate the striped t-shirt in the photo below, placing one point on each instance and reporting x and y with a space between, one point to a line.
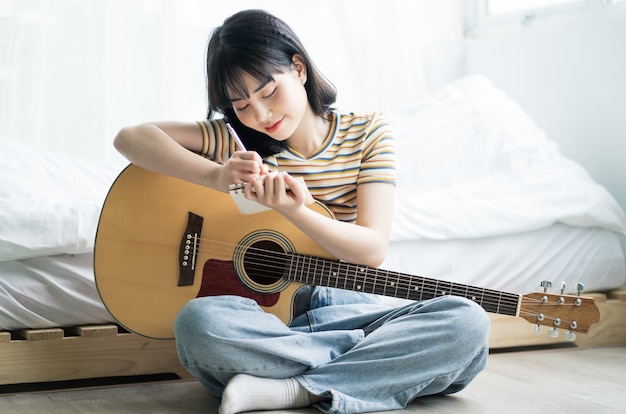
358 150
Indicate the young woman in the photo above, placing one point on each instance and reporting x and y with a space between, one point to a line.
343 352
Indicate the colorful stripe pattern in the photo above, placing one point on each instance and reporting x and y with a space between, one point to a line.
358 150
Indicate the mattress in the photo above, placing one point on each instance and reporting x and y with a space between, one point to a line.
60 290
517 263
50 291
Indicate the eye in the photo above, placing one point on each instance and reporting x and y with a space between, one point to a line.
269 95
240 108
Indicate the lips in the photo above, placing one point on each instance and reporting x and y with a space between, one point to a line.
271 128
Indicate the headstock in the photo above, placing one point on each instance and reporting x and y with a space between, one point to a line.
568 312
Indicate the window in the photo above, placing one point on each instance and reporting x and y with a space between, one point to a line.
500 7
496 17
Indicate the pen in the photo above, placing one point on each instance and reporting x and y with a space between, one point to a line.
236 137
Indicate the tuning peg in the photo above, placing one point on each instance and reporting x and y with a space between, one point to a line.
553 332
545 284
537 328
570 336
562 287
579 288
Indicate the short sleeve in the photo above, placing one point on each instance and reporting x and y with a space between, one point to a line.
379 157
217 144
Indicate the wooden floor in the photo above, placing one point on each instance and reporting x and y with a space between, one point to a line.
565 380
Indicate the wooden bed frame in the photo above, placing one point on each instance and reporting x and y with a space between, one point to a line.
105 351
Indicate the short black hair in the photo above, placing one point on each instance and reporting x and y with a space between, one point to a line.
259 44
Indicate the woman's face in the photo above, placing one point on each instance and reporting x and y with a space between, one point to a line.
274 108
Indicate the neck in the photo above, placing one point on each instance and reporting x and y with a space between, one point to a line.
310 135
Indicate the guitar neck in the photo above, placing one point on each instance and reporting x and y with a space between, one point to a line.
311 270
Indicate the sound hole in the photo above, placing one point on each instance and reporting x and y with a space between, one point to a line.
264 262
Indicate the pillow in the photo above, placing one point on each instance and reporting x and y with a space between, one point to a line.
472 163
49 203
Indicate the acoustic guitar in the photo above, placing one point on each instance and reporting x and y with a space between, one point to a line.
162 241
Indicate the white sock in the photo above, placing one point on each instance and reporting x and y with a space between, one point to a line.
247 393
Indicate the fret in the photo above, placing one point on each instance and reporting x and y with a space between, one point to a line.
352 274
394 284
381 281
306 265
374 280
349 274
416 288
408 287
491 301
315 274
335 274
290 266
360 277
357 281
369 285
475 294
313 265
458 290
332 271
430 289
401 284
295 274
499 302
444 288
327 271
321 271
345 279
509 304
323 278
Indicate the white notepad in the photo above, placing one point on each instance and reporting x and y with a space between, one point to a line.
244 205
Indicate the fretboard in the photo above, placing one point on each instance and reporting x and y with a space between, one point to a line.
317 271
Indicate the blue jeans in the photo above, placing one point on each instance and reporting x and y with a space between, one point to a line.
362 355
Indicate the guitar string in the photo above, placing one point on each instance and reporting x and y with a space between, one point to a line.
488 296
402 284
261 257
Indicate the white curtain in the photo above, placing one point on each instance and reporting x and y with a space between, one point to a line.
73 72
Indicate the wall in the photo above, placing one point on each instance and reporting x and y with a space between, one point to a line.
571 79
73 72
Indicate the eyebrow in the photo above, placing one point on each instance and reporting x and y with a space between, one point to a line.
261 86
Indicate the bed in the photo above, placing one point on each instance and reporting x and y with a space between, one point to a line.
484 199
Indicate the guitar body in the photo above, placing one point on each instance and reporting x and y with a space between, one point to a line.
139 251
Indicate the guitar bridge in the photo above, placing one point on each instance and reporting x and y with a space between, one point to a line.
189 247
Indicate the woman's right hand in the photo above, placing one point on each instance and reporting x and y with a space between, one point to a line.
242 167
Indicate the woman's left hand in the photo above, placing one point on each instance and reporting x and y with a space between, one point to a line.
280 191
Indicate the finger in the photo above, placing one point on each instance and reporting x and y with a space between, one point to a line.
249 156
291 183
253 190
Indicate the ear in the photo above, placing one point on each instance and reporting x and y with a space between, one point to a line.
299 67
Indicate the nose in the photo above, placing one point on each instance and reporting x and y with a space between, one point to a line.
262 112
